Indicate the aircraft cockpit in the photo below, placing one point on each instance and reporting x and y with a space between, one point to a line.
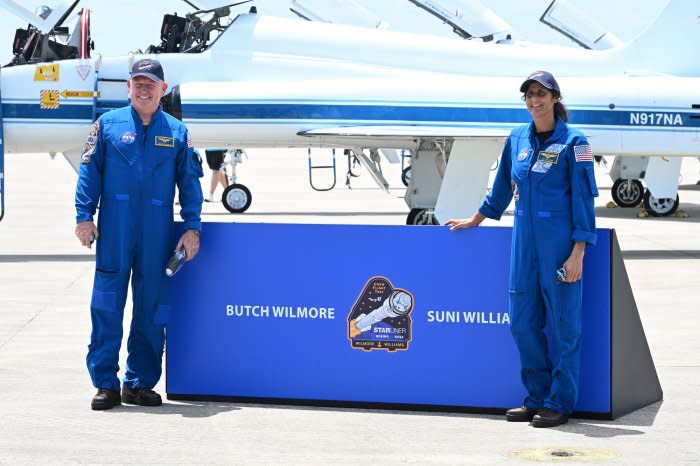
46 39
195 32
575 23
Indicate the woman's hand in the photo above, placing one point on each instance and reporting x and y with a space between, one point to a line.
471 222
574 264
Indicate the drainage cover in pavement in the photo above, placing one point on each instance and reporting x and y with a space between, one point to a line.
564 454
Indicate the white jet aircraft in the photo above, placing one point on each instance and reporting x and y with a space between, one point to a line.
259 81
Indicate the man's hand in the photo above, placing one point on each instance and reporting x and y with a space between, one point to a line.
471 222
190 240
574 264
83 230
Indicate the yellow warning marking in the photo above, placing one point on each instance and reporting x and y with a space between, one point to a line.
48 72
48 99
72 94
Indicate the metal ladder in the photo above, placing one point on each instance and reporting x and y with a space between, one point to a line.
313 167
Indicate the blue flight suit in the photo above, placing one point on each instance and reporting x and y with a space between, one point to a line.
132 170
553 185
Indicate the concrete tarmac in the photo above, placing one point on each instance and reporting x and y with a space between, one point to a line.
45 391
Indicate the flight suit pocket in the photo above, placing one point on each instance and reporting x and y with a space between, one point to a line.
519 170
121 153
104 293
163 155
161 315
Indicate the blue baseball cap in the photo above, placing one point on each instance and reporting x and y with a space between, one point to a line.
148 68
543 77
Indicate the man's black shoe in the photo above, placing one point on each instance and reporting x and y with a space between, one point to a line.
105 399
141 396
521 414
548 418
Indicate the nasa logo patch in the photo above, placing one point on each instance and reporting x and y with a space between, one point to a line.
128 137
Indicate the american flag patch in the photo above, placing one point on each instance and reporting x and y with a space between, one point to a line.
583 153
190 144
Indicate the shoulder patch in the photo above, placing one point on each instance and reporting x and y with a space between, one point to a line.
90 142
583 153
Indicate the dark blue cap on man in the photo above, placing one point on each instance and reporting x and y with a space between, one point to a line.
149 68
543 77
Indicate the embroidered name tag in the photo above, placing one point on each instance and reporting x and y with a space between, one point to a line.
164 141
548 157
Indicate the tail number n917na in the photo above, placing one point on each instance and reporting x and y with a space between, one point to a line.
656 119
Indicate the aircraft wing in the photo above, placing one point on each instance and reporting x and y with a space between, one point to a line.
462 183
409 132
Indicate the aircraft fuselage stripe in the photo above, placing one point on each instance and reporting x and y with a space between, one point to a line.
352 113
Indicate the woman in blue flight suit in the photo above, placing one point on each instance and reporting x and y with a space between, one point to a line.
547 168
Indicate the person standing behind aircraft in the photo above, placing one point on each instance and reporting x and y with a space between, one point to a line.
215 160
547 168
132 161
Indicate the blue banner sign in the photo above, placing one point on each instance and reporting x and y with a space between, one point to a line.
364 314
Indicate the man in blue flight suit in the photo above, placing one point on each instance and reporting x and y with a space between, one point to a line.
547 168
132 161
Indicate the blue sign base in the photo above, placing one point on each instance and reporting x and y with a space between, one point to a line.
383 316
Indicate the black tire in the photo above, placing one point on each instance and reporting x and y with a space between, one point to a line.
660 207
236 198
406 175
627 193
421 217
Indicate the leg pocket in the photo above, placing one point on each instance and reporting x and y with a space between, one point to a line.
161 315
105 291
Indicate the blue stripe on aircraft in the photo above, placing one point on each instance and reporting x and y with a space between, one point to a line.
384 113
63 112
406 114
15 110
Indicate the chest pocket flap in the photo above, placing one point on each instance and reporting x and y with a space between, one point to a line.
122 141
162 149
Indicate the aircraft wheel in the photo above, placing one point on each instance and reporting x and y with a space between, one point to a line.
406 175
627 193
421 217
660 207
236 198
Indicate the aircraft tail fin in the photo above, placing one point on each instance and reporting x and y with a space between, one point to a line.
670 44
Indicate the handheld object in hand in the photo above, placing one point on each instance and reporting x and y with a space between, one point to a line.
561 274
175 262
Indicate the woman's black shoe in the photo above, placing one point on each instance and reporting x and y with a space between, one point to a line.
105 399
